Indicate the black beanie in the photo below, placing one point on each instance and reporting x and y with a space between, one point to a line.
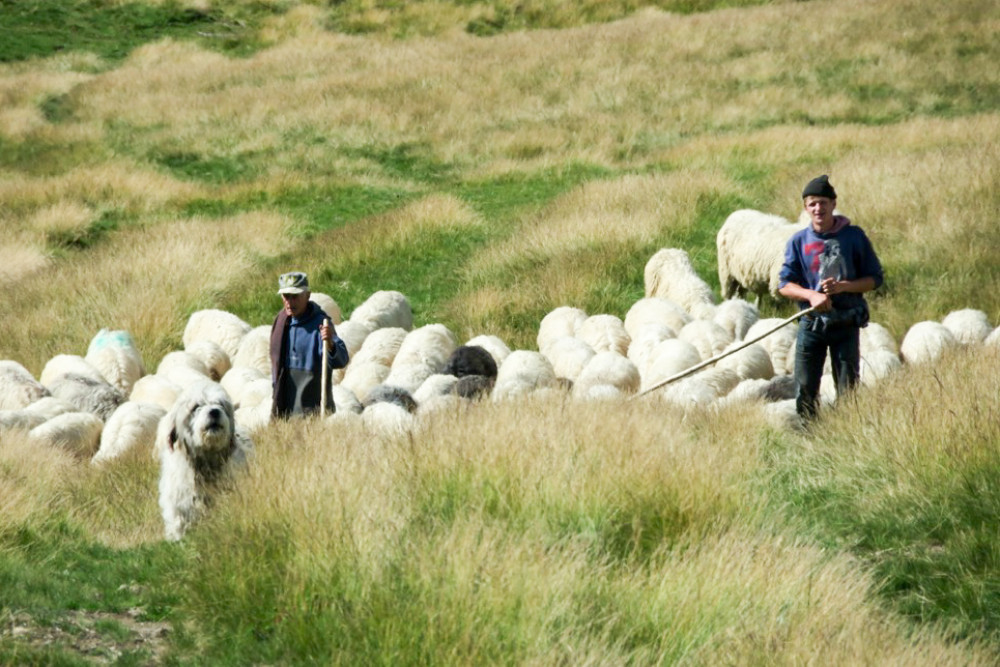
819 187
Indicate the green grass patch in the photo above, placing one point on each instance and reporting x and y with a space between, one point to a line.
41 28
39 156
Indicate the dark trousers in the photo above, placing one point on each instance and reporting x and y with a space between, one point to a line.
810 356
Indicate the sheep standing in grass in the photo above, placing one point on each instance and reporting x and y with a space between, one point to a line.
751 248
76 432
561 321
523 372
115 356
327 305
607 369
655 311
380 346
644 341
18 387
667 359
383 309
568 356
62 364
212 356
86 394
604 333
131 427
926 341
423 352
155 389
706 336
736 316
969 326
780 345
220 327
254 349
669 274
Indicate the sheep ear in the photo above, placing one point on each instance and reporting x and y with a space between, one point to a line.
172 438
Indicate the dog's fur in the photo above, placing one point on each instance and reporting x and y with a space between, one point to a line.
198 444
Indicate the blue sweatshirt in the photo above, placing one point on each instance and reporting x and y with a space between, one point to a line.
844 254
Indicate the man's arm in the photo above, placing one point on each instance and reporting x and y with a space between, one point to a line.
818 300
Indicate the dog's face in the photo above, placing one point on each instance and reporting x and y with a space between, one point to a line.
201 421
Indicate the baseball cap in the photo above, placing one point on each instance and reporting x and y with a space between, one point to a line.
294 282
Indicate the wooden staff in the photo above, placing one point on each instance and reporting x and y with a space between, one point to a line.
323 379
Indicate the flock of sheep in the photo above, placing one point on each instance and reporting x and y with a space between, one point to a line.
105 403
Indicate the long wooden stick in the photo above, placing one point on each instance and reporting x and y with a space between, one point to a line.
323 379
699 366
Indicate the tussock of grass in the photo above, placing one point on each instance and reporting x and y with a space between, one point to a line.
907 486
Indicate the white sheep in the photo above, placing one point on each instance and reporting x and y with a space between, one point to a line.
380 346
926 341
780 345
993 338
498 349
219 326
749 390
212 356
362 378
877 364
751 249
604 333
387 419
655 310
19 419
736 316
669 274
706 336
18 387
644 341
238 380
607 368
76 432
568 356
116 358
255 392
354 333
969 326
131 426
751 363
423 352
438 384
559 322
155 389
668 358
254 350
87 394
345 400
877 337
49 407
701 390
328 306
63 364
183 369
385 308
523 372
251 418
183 359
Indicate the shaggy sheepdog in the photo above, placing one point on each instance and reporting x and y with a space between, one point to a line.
198 445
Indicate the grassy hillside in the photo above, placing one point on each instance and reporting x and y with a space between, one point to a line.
493 161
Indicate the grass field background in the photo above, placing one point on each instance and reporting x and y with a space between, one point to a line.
493 161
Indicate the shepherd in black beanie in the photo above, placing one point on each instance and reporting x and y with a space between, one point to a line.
820 187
